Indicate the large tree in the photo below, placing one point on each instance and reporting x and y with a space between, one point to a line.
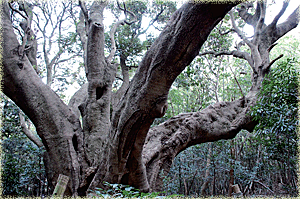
116 143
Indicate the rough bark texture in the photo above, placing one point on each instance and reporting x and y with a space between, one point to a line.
222 120
146 97
120 147
56 124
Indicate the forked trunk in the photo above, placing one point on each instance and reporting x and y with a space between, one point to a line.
115 143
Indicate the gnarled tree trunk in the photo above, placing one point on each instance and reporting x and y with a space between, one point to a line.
118 145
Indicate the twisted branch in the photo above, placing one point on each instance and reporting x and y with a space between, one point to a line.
114 29
127 11
236 53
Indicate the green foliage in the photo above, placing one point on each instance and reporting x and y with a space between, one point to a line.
23 172
22 166
128 39
10 119
289 46
165 7
276 112
122 191
68 40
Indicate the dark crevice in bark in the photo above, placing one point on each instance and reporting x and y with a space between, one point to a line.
100 91
20 65
82 190
124 179
75 143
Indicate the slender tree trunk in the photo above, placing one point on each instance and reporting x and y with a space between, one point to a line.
213 185
185 187
180 177
207 171
231 173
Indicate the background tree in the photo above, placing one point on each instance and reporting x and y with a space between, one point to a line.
58 41
23 171
118 145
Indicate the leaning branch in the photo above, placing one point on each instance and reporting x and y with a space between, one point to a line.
166 140
114 29
173 50
112 39
272 62
284 6
234 76
263 185
291 23
29 133
238 31
236 53
271 47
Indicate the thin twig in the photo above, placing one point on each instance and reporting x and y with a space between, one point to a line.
18 31
127 11
271 47
112 39
152 22
28 132
17 11
263 185
114 29
237 81
272 62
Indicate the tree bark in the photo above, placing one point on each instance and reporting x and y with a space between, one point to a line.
146 97
222 120
120 147
55 123
27 131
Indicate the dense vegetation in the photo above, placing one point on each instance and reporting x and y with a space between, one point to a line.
23 172
262 162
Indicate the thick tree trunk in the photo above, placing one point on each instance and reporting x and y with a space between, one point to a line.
120 147
222 120
146 97
55 123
